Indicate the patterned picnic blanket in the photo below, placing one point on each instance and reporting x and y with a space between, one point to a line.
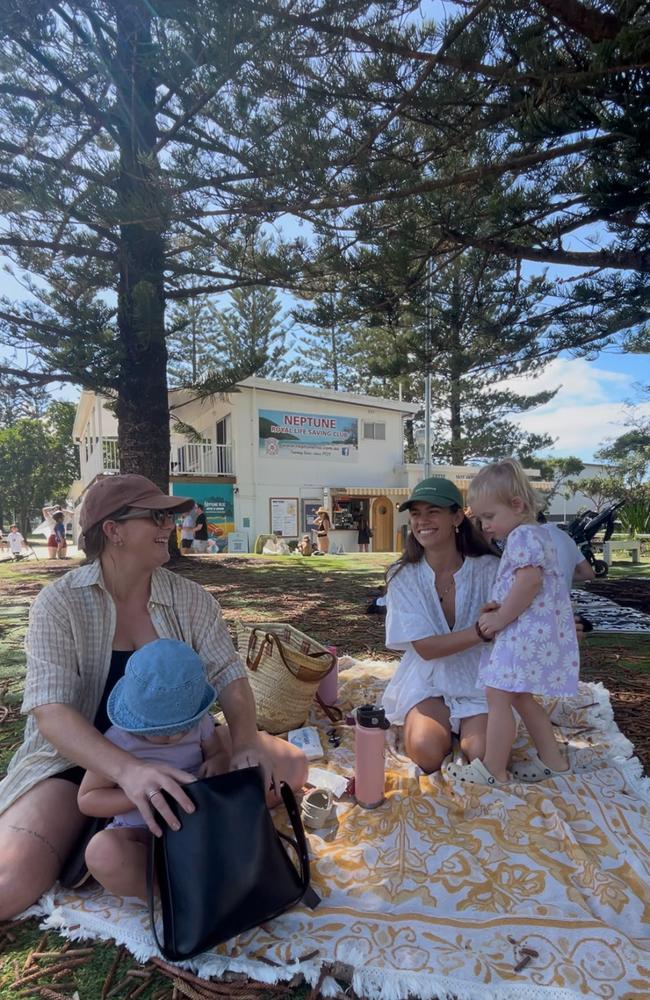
443 890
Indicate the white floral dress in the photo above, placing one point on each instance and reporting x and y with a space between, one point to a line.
538 652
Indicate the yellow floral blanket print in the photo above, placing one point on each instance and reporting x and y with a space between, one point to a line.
533 891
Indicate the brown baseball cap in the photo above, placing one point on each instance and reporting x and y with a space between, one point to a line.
110 494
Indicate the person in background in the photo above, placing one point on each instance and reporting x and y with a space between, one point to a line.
59 536
50 517
305 547
574 566
83 628
200 530
323 526
363 538
16 542
187 530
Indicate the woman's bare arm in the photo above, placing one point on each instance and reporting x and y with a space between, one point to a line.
435 646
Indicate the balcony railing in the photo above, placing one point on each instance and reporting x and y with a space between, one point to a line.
201 459
186 459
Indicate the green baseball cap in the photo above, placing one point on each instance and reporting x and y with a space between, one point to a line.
436 491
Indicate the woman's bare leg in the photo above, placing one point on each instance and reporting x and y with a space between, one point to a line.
118 860
37 833
289 763
473 730
427 734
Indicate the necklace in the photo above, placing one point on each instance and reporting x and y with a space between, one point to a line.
443 593
446 590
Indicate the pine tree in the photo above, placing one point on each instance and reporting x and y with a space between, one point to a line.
251 329
191 343
326 345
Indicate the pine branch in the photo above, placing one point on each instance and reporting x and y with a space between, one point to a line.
73 249
593 24
32 379
636 260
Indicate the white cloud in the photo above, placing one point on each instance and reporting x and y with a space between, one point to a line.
588 408
580 380
580 430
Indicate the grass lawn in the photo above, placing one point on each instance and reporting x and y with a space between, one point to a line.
325 596
625 567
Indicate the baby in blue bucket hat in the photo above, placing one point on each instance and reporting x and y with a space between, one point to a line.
159 713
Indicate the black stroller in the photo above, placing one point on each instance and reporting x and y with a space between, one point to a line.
585 526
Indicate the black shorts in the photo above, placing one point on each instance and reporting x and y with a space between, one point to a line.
186 543
73 774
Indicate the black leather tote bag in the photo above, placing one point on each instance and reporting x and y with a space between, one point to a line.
227 869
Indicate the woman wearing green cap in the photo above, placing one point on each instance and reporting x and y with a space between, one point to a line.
435 594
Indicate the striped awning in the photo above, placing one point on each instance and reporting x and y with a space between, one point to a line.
370 491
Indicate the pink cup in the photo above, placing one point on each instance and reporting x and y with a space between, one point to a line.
328 689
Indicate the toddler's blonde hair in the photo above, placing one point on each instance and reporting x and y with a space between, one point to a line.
504 481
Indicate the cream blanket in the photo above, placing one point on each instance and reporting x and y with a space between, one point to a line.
436 893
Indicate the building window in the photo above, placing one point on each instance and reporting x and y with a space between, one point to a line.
374 432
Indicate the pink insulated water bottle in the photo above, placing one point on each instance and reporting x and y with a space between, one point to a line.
328 688
370 745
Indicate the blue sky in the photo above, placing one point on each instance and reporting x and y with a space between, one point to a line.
590 405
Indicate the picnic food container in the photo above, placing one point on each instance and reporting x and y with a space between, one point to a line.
370 748
328 689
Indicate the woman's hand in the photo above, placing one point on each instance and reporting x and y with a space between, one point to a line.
490 606
253 756
143 784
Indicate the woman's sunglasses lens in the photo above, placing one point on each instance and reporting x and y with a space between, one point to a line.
160 517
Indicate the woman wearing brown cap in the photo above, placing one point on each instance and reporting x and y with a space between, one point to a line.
82 630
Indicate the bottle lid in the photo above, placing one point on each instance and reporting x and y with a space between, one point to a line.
372 717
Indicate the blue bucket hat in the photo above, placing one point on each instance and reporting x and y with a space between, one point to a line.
163 690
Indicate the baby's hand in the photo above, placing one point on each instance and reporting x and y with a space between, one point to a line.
490 623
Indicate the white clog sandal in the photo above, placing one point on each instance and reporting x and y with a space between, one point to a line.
475 773
534 769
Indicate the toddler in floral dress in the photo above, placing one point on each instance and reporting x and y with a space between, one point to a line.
533 641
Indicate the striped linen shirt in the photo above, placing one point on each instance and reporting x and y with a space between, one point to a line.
69 645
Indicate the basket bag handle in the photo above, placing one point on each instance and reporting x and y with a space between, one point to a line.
253 660
333 713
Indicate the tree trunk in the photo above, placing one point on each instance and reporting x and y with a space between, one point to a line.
142 406
410 451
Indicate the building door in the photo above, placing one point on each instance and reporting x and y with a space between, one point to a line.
223 449
382 525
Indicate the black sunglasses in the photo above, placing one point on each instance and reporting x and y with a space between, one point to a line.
159 517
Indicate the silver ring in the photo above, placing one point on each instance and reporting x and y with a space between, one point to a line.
150 795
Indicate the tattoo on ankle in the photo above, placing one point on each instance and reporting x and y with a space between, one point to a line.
39 836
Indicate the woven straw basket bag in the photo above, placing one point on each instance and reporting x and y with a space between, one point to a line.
285 667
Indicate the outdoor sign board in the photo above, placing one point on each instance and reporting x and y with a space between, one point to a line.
218 501
238 541
284 516
309 508
286 434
